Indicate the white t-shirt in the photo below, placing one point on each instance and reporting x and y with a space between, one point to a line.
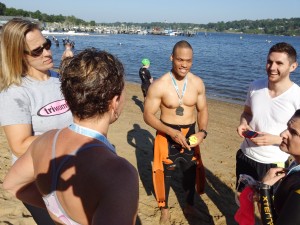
270 115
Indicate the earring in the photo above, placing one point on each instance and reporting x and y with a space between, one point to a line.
116 115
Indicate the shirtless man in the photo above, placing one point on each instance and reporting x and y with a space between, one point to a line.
177 93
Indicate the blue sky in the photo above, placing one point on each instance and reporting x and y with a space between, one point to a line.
186 11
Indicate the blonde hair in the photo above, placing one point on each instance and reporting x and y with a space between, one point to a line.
12 46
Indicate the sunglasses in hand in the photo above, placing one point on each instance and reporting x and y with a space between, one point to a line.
39 50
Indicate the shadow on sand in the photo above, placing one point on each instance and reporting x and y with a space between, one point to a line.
138 102
143 141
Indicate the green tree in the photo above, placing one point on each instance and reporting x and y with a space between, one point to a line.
93 23
37 15
2 9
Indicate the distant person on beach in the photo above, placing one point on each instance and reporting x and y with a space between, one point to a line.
269 105
78 173
68 51
145 76
30 97
177 94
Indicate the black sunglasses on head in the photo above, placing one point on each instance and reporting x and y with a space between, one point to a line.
38 51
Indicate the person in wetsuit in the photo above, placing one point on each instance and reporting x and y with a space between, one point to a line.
283 183
145 76
76 169
176 94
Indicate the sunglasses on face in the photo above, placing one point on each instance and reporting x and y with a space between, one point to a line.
39 50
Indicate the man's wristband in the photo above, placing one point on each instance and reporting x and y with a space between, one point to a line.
204 131
261 185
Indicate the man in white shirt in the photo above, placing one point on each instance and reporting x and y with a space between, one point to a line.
269 105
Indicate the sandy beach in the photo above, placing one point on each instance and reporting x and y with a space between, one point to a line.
134 140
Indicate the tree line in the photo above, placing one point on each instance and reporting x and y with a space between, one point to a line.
266 26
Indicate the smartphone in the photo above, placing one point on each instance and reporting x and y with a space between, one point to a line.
250 134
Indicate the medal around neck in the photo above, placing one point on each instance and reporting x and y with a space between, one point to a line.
179 111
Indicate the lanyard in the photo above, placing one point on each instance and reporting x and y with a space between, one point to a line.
177 89
91 133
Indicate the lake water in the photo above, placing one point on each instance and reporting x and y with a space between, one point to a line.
227 63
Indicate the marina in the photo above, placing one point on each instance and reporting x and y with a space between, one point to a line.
120 30
68 33
161 29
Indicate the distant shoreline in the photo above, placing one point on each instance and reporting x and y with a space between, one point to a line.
71 33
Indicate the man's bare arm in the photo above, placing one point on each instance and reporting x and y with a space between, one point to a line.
202 113
245 119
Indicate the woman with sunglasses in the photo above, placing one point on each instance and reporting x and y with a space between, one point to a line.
78 173
30 97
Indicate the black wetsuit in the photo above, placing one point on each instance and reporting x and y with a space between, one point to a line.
184 161
145 78
286 205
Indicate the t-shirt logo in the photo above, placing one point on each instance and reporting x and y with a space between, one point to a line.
54 108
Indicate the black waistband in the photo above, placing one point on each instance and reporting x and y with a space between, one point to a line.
179 126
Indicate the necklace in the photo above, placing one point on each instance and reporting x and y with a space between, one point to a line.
92 134
179 110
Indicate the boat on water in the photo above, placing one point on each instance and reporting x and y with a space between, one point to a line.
70 32
170 32
173 33
142 32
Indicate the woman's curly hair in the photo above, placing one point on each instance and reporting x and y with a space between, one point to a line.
90 80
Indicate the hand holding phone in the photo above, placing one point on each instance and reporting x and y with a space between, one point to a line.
250 134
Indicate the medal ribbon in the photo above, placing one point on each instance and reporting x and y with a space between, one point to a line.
92 134
177 89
